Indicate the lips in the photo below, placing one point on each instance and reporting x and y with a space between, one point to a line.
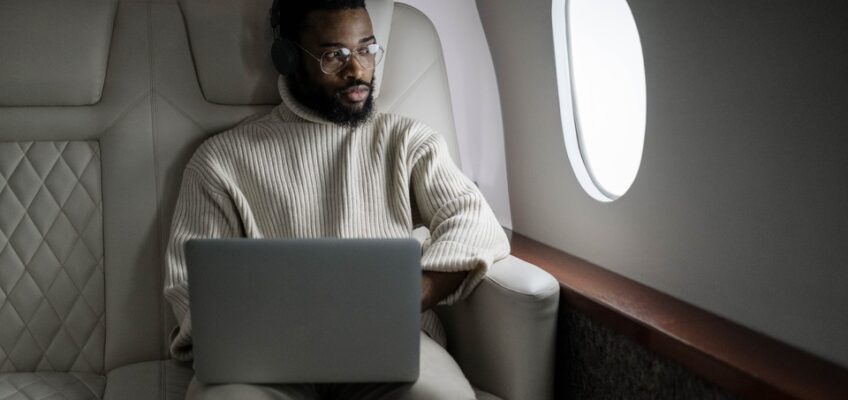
355 94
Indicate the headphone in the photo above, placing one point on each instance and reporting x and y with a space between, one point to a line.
284 52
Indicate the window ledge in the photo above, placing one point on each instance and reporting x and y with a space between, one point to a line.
736 358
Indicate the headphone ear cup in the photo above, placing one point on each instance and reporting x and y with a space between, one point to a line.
285 55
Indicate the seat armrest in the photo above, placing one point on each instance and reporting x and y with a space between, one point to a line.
503 335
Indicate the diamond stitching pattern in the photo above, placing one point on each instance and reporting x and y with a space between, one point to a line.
51 257
51 385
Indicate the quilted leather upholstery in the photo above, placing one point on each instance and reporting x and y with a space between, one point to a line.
51 281
51 386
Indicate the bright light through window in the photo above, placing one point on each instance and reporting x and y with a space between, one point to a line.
601 80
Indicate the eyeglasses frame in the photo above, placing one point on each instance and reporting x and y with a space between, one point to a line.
353 55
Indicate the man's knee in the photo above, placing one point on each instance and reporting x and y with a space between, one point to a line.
440 377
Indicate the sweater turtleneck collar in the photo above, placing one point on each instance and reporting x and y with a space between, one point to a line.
292 110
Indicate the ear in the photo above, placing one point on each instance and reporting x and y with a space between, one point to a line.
285 55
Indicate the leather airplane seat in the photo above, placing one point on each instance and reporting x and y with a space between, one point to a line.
101 105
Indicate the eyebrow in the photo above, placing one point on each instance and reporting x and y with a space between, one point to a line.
336 44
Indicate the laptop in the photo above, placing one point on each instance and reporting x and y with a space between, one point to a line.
305 311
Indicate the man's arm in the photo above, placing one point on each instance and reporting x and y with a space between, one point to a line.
200 212
465 236
436 286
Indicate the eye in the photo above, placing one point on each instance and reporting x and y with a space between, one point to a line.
362 51
341 53
372 48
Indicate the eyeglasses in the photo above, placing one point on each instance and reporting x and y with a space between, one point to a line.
335 60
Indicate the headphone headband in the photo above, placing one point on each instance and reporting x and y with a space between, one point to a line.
275 18
284 53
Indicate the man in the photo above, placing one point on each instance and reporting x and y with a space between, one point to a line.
325 164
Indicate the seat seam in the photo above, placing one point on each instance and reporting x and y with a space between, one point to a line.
64 323
87 164
9 356
156 181
90 390
49 171
179 109
17 167
63 262
26 325
411 86
123 114
512 291
46 189
18 224
53 282
162 372
81 291
38 377
44 356
43 349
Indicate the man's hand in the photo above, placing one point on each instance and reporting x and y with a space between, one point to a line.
435 286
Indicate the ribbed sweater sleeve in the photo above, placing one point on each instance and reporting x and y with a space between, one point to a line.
202 211
464 233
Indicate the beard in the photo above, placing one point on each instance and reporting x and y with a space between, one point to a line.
331 107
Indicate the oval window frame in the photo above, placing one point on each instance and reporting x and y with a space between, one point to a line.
576 149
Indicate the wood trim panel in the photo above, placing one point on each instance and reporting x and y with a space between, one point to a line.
742 361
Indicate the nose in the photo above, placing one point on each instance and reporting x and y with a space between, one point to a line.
353 71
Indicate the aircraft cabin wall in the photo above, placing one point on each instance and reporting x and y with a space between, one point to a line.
739 206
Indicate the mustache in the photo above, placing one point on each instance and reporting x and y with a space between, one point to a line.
357 83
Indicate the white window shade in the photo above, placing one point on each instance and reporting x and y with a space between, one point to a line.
601 81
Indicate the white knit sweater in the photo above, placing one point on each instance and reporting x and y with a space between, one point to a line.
292 174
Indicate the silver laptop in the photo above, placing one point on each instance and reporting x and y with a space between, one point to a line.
305 311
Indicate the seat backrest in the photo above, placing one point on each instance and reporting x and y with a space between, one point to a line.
212 69
101 106
79 269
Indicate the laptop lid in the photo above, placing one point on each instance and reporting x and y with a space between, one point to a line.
300 311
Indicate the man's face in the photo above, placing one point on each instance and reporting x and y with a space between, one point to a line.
344 97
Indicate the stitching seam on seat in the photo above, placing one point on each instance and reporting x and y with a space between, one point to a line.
60 148
411 86
156 182
123 114
94 155
179 110
163 366
90 390
26 323
511 290
21 388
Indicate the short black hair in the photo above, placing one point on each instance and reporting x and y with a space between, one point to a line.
291 14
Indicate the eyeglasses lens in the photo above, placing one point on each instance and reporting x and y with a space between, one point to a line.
367 57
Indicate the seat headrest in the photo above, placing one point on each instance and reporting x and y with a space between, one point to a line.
54 53
231 46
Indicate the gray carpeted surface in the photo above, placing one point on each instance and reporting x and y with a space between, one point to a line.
603 364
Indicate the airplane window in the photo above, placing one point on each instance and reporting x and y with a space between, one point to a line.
601 82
